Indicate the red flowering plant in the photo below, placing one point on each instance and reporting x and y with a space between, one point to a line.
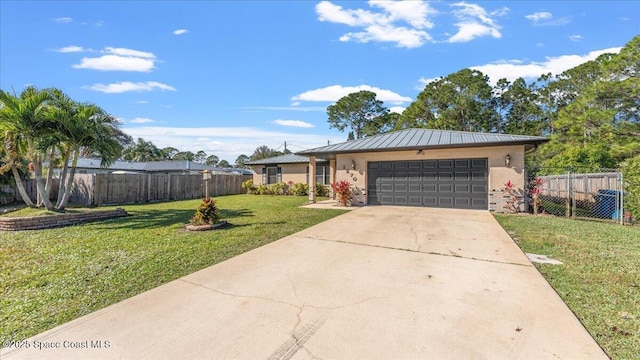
342 189
510 189
535 191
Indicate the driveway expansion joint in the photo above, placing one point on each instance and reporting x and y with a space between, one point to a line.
452 255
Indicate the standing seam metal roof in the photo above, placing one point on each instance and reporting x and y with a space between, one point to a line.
424 138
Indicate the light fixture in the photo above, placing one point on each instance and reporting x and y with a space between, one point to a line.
353 165
507 160
420 152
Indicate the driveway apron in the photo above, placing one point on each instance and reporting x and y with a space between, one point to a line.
374 283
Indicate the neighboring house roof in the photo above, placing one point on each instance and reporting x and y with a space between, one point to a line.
412 139
282 159
91 163
155 166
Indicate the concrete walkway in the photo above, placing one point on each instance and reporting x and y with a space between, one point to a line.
374 283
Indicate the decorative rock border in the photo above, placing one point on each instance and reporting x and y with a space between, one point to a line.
50 221
205 227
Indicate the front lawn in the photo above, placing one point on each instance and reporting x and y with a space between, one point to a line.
600 278
49 277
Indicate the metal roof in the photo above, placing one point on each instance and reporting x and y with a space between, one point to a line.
282 159
92 163
424 139
155 166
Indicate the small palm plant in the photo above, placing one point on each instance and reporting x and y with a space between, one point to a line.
206 213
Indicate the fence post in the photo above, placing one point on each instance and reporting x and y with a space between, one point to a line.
567 209
621 188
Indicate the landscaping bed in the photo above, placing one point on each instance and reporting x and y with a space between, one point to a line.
39 219
600 277
51 276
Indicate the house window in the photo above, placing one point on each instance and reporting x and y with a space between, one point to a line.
271 175
323 175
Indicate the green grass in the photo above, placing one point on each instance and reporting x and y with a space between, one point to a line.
600 278
30 212
49 277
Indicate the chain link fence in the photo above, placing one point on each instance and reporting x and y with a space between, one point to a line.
577 193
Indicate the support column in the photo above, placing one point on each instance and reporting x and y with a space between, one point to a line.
312 179
332 177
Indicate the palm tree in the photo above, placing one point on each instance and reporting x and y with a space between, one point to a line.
23 122
142 151
85 127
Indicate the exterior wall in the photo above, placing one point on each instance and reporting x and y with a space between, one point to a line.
498 173
290 172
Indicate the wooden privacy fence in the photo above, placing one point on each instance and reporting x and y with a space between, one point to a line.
581 187
102 189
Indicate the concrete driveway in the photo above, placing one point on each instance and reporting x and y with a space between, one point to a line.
374 283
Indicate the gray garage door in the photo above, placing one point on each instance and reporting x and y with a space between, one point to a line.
456 183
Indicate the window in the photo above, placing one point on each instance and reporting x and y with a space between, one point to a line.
323 175
271 175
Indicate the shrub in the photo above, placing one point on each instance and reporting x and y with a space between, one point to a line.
321 190
299 189
206 213
264 190
249 187
342 189
279 189
631 173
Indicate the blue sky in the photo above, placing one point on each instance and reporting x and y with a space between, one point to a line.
228 76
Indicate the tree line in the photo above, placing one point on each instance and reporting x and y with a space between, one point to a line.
590 112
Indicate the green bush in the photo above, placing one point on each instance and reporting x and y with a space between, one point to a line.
631 173
322 190
206 213
249 187
264 190
299 189
279 189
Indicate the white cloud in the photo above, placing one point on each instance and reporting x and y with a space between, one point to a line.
542 15
293 123
119 59
229 142
422 82
383 26
129 52
295 103
180 31
127 86
141 102
335 92
63 20
575 38
545 18
71 49
475 21
397 109
514 69
141 120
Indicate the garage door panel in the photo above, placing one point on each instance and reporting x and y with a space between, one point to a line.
415 188
430 188
462 176
445 176
479 163
462 189
400 187
450 183
430 176
445 189
430 164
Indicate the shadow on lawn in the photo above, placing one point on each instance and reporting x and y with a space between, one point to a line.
153 219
